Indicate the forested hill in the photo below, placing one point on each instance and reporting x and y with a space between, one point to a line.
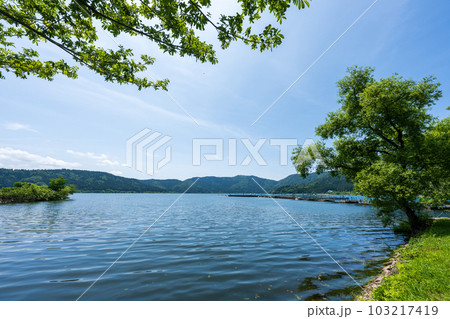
211 184
101 182
85 181
313 184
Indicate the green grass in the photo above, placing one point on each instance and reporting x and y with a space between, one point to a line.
424 269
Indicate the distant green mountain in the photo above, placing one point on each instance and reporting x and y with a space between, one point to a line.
296 179
212 184
312 184
236 184
85 181
101 182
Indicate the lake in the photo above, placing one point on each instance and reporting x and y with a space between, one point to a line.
205 247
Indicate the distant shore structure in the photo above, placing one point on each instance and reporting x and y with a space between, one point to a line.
330 198
342 199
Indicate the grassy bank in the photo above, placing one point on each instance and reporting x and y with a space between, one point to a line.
423 268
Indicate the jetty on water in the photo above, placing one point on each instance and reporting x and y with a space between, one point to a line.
343 199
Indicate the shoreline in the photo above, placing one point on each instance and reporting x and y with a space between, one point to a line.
415 269
30 201
389 269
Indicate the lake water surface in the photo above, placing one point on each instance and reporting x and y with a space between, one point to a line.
206 247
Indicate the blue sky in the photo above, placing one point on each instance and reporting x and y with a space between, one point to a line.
85 123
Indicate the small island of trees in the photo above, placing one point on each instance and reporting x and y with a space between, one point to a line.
23 192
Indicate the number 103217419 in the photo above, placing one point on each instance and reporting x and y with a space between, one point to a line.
403 310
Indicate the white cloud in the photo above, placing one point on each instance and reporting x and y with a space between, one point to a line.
102 159
18 127
14 158
116 172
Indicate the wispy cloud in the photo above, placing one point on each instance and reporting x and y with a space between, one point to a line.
19 127
102 159
14 158
101 93
116 172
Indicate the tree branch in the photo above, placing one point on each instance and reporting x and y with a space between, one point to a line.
148 35
399 132
382 136
219 29
61 46
75 55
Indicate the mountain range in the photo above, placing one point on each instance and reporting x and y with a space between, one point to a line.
101 182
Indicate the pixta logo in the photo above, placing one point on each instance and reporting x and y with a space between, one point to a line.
147 151
252 150
142 148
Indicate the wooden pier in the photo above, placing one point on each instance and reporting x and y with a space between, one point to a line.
331 198
342 199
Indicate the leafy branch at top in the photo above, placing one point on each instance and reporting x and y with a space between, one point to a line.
172 25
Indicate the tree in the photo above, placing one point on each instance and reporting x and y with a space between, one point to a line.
387 142
173 25
57 184
24 192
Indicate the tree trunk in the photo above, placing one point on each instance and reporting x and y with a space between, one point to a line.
415 225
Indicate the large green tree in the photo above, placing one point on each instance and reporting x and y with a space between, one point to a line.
387 142
73 26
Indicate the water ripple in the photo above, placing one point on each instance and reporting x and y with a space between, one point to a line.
207 247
